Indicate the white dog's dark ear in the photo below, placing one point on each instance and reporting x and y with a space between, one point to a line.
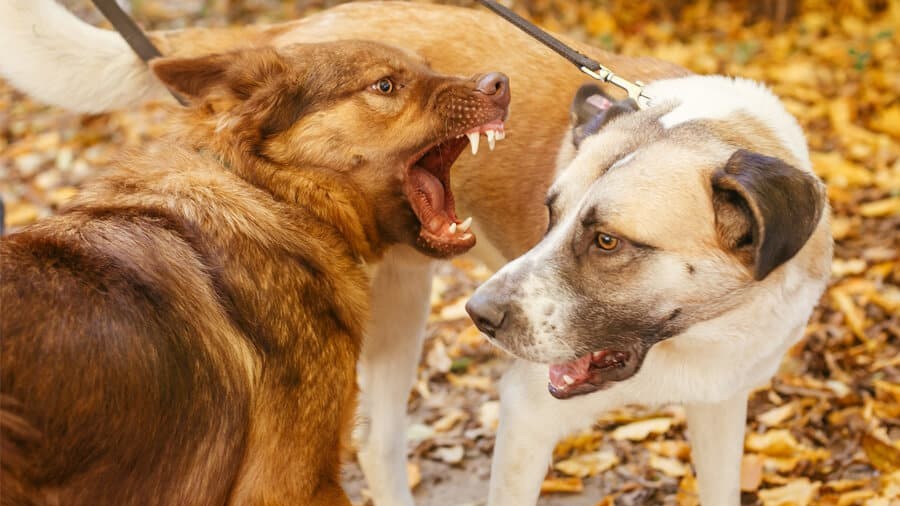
765 209
592 108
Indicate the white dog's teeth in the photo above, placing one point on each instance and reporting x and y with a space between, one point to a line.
568 379
597 354
464 226
474 137
453 228
490 136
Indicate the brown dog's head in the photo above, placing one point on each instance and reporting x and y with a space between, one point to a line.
692 219
373 126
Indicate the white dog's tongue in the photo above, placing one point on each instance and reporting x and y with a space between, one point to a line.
570 373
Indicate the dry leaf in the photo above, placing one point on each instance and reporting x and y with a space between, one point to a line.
668 466
799 492
590 464
638 431
751 472
884 456
413 475
563 485
449 454
489 415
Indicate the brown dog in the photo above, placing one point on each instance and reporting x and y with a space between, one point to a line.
187 331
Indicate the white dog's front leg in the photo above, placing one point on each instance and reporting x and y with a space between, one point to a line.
531 422
401 290
717 444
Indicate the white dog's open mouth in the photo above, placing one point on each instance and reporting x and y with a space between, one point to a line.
428 190
592 372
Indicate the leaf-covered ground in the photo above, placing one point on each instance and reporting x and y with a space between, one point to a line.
827 429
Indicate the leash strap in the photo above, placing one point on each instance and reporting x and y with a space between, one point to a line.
132 33
587 65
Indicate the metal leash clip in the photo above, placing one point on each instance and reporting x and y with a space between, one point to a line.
589 66
635 90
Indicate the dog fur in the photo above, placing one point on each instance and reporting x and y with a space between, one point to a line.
187 331
720 250
503 190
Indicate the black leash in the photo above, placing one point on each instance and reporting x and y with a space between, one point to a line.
587 65
132 33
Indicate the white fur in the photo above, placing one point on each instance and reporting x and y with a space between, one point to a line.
710 368
717 97
401 288
59 59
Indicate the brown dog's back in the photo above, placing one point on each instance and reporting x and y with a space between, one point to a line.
158 350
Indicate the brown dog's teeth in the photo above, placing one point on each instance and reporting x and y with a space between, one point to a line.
453 228
464 226
474 137
490 137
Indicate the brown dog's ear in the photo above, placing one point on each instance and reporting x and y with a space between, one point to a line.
592 108
238 72
765 209
191 77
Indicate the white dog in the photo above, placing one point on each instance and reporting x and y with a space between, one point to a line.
688 245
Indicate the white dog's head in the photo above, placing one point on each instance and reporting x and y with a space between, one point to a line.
664 218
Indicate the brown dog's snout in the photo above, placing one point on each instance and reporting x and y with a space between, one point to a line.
496 86
487 308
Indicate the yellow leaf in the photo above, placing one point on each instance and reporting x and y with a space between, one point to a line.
799 492
751 472
591 464
776 416
887 121
670 467
639 431
413 475
883 456
564 485
879 208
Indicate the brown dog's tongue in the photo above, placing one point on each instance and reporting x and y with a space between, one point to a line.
428 202
570 373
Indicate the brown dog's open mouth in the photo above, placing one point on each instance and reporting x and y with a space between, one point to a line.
592 372
427 187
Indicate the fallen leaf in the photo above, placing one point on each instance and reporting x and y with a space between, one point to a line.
638 431
668 466
884 456
751 472
800 492
413 475
449 454
590 464
562 485
489 415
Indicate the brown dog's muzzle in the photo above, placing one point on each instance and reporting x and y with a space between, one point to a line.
468 109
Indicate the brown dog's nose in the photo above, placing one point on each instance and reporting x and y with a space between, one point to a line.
496 86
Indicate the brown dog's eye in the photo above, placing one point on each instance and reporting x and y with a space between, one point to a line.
385 86
607 242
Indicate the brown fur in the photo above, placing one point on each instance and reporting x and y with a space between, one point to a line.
491 186
187 331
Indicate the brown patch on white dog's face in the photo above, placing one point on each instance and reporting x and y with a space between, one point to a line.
641 247
370 116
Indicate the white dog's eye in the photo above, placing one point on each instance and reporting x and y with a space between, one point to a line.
607 242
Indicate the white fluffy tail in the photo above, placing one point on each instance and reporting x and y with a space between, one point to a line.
56 58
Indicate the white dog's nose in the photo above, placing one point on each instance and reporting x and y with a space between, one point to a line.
486 310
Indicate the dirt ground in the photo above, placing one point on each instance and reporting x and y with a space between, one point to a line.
826 431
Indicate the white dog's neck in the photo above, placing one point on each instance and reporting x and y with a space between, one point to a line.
718 97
